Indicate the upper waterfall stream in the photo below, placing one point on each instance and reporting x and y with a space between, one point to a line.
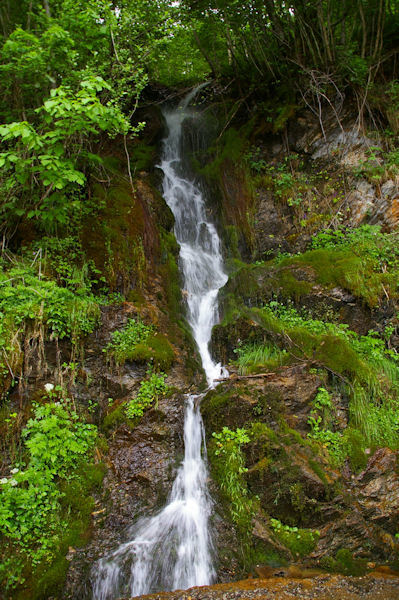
173 549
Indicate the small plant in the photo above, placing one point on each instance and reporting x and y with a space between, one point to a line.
255 161
30 511
299 541
252 357
230 469
332 440
125 340
150 391
56 439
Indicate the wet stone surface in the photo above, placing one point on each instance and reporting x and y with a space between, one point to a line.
142 464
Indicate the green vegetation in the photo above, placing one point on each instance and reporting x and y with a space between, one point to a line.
229 467
64 313
40 153
363 368
83 229
141 343
300 542
372 367
344 562
151 390
33 306
253 357
124 341
32 521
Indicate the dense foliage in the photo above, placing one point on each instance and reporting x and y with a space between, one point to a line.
73 72
30 516
78 78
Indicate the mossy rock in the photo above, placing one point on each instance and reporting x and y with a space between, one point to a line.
156 350
235 405
300 542
345 563
222 407
114 418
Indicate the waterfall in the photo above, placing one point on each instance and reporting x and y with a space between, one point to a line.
173 549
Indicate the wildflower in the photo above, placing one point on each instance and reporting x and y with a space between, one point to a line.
49 387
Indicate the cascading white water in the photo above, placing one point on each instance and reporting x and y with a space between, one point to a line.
173 549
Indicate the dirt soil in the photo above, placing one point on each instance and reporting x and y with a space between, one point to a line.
374 586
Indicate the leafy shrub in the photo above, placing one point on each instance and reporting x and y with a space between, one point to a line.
124 341
57 440
33 305
150 391
30 518
53 153
25 296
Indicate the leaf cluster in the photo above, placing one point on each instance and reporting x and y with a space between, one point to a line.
151 390
57 443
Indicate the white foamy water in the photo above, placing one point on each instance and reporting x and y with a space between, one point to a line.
173 549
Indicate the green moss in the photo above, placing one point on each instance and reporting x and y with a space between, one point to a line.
216 405
50 579
156 350
143 156
233 237
291 436
285 113
345 563
346 269
261 430
136 297
300 542
261 283
230 147
317 468
355 445
115 418
171 279
260 555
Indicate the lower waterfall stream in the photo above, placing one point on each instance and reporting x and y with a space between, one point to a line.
173 549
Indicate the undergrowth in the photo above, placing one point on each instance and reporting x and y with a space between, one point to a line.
151 390
300 542
33 522
229 468
140 342
252 357
35 309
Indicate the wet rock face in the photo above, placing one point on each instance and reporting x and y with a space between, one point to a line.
287 394
141 467
370 516
378 486
293 481
272 226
